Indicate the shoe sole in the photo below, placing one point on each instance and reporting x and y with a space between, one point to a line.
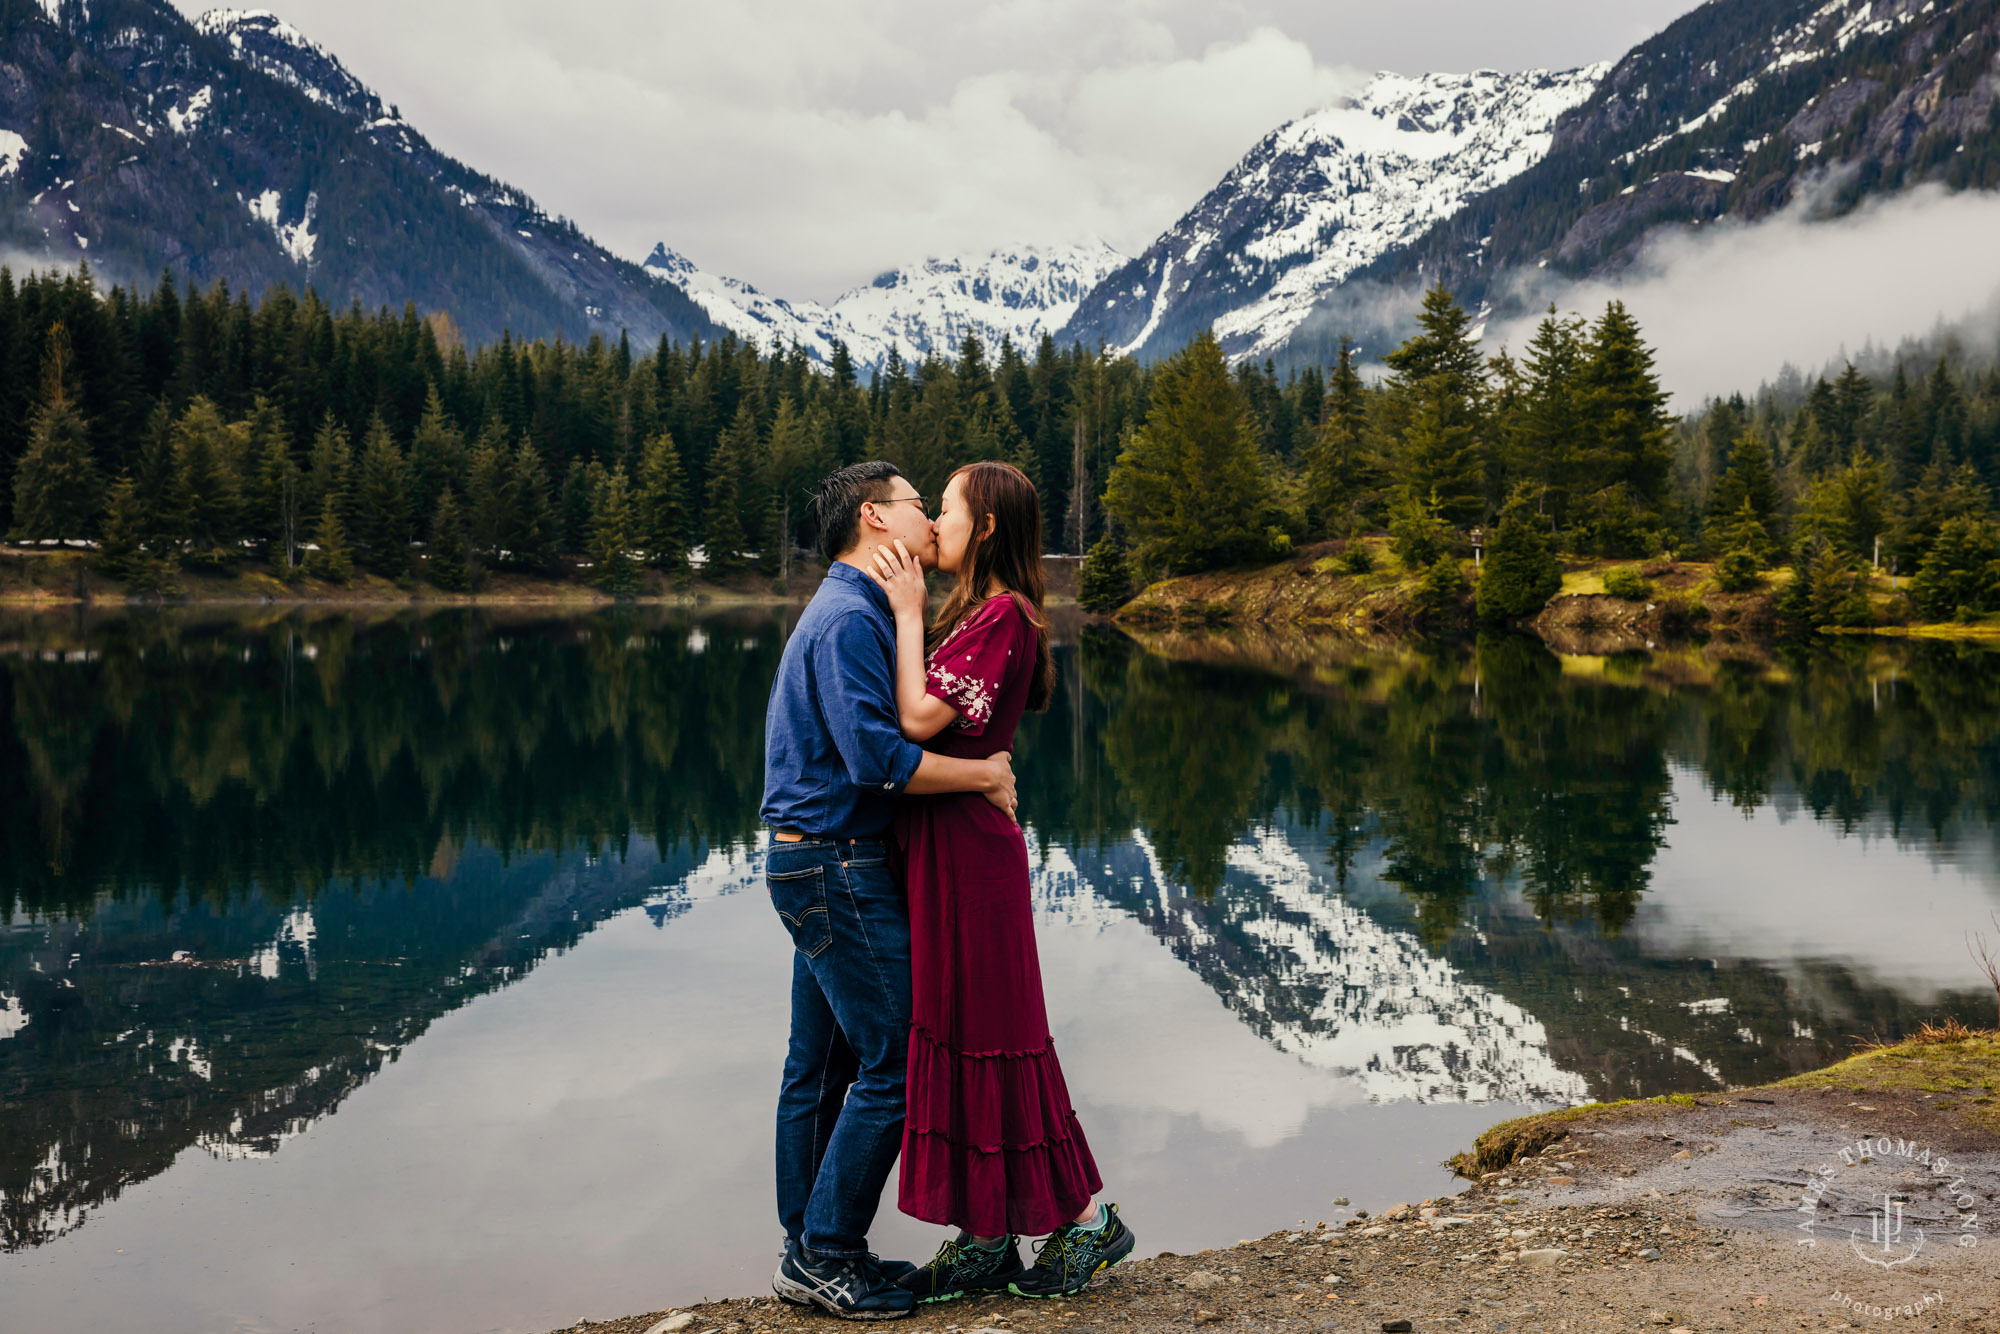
1102 1265
798 1294
998 1286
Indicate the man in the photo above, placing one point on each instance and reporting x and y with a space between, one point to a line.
834 764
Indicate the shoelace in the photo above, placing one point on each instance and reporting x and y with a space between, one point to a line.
1058 1243
947 1256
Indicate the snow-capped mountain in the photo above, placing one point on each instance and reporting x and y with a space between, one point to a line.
1323 196
1020 293
235 148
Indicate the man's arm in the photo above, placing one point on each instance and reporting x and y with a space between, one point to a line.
858 700
992 778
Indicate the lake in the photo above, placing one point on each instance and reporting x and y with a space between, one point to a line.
405 972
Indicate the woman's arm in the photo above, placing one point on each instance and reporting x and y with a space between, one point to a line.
921 714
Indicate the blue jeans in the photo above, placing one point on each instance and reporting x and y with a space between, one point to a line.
840 1109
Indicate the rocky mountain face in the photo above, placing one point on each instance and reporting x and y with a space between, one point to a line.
1020 293
233 148
1321 198
1736 110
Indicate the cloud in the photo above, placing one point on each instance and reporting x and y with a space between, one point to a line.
1727 307
805 145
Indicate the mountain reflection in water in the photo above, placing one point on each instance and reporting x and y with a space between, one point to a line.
1446 875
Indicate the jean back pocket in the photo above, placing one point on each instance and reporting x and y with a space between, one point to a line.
800 898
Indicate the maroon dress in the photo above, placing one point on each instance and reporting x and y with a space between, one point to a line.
990 1144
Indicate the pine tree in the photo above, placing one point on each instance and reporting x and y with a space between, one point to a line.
534 536
1749 476
273 494
1416 534
1104 579
1520 574
382 505
724 517
1336 464
122 547
490 519
205 502
448 555
1628 456
660 520
437 455
329 470
1747 546
57 487
1960 575
1546 432
612 567
333 560
1189 486
1439 459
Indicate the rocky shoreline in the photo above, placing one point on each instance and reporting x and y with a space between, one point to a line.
1673 1215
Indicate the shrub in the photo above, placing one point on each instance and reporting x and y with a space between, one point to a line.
1104 580
1439 592
1627 583
1738 572
1520 575
1357 559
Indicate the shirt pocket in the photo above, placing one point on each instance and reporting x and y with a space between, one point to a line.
800 898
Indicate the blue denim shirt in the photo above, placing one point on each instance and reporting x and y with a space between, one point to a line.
834 755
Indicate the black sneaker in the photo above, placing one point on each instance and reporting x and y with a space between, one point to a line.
960 1267
1071 1257
853 1289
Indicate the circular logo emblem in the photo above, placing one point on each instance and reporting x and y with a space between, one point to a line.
1877 1205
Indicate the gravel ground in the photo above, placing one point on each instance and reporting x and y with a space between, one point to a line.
1652 1216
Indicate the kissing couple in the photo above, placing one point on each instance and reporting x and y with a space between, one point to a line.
898 866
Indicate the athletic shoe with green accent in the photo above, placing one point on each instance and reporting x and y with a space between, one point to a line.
1072 1256
961 1267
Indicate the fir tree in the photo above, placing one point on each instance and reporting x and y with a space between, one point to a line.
329 470
333 560
57 487
1440 454
1104 578
612 567
273 494
1520 574
437 455
205 501
1960 575
1748 478
490 520
660 505
1416 534
448 559
1440 594
1747 547
1188 487
122 547
725 518
1336 466
1547 429
382 505
534 516
1628 456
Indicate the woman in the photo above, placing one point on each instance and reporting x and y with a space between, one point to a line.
990 1144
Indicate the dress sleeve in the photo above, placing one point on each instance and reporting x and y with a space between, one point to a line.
969 669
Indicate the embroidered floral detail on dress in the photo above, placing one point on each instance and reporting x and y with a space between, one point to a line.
971 696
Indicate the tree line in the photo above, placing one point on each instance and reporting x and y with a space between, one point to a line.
184 428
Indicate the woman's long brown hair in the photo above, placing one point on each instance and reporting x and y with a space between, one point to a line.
1011 556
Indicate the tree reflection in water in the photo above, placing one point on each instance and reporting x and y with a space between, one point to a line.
355 824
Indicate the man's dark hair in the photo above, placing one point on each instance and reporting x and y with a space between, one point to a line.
838 499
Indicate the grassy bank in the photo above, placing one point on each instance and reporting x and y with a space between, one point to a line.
1952 1069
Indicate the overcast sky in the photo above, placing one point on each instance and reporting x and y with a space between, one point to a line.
806 145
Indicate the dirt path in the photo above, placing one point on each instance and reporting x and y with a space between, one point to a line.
1658 1216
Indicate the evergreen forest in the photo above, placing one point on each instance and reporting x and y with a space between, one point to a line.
183 429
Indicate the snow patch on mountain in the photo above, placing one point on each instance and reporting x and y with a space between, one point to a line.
12 149
296 237
268 44
184 119
771 322
1020 293
1325 195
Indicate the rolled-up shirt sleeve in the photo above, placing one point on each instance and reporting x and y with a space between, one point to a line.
853 671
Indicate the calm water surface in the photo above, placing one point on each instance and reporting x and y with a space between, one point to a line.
479 1006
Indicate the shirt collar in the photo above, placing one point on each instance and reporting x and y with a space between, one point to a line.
847 574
